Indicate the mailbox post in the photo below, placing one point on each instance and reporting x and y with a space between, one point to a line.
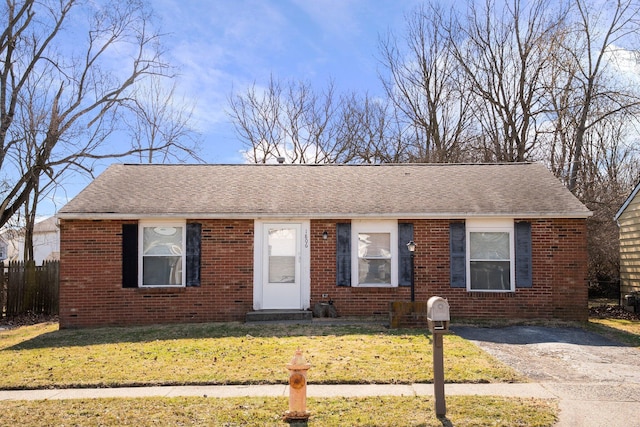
438 319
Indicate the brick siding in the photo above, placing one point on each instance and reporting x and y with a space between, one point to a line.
91 292
559 276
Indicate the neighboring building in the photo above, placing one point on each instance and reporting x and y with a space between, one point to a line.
196 243
4 249
46 242
628 220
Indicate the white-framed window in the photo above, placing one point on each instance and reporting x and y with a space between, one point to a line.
490 260
374 249
162 259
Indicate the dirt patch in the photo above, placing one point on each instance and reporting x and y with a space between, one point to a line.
25 320
612 312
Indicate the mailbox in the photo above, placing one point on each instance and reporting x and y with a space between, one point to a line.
438 314
438 319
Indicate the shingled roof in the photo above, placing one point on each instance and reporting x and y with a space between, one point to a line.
523 190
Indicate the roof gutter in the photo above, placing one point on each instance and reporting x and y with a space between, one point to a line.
333 215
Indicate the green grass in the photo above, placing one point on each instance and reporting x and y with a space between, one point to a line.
41 356
625 331
370 411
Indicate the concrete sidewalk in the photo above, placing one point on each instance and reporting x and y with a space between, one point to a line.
583 404
334 390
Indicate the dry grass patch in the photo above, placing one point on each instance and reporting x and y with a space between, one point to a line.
370 411
42 356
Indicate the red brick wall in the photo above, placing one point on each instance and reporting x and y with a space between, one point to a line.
91 292
349 301
559 275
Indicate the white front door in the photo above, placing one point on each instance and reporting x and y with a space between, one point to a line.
281 266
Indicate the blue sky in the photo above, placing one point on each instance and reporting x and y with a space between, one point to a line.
220 46
226 45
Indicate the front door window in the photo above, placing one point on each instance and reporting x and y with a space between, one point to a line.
282 255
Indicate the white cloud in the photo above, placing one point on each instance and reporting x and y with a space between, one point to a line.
337 17
625 62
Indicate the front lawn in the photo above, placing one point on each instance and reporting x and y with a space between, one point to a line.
260 411
41 356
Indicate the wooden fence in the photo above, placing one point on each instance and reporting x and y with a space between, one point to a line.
27 288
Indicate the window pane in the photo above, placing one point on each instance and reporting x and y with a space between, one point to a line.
374 245
489 245
374 271
492 275
162 241
162 270
282 255
282 269
374 258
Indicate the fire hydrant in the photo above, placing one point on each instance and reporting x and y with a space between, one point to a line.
298 368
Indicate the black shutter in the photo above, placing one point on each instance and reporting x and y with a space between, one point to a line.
524 276
457 253
343 254
405 234
193 254
129 255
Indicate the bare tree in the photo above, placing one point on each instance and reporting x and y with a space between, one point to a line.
366 133
307 122
592 122
601 34
256 118
29 125
425 87
294 121
77 88
160 124
504 52
609 170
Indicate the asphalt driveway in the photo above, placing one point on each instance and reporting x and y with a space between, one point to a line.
597 380
558 354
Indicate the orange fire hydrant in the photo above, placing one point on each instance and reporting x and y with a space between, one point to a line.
298 368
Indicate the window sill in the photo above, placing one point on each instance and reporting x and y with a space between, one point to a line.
160 286
373 285
160 289
491 294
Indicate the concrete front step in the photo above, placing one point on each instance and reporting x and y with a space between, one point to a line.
279 316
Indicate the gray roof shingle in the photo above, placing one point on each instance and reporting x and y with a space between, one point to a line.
325 191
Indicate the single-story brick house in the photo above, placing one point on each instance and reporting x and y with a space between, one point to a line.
197 243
